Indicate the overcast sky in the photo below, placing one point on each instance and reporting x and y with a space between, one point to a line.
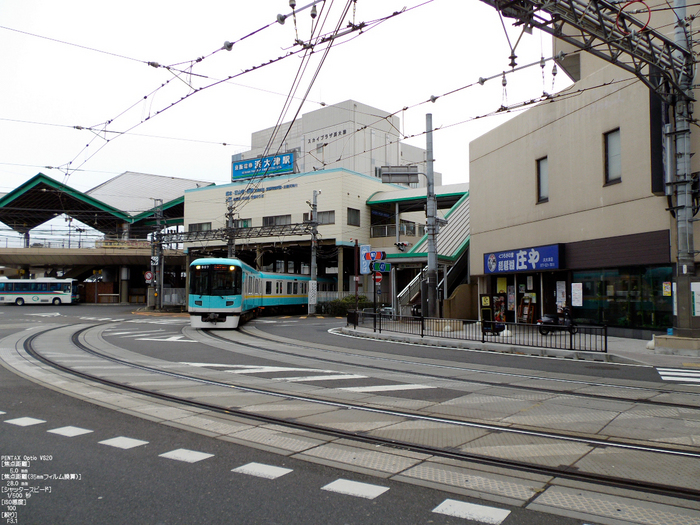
84 63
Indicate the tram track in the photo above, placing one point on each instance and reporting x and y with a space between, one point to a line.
564 471
516 376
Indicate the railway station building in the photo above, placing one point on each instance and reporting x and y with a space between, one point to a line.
334 152
333 155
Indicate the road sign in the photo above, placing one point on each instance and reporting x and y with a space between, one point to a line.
377 277
375 256
148 276
378 266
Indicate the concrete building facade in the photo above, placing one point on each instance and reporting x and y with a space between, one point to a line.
568 204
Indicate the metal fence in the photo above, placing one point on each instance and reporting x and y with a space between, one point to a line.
582 338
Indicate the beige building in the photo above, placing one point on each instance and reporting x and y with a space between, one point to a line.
335 151
568 204
347 135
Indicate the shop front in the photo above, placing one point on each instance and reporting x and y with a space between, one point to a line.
527 281
634 294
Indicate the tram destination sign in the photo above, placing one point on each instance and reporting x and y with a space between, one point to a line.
538 258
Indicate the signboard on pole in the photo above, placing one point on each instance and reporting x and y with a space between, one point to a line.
380 266
312 291
364 262
377 277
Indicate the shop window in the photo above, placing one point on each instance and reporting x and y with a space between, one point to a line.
542 180
353 217
629 297
613 157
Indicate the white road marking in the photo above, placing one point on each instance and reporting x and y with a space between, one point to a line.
682 375
188 456
354 488
332 377
267 369
123 442
70 431
54 314
470 511
25 421
384 388
171 339
262 471
132 333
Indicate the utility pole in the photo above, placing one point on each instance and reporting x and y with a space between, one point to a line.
314 241
431 212
231 240
685 268
157 263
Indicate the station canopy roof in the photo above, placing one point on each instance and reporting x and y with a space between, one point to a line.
125 199
415 199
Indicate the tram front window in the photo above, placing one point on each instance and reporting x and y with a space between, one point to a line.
226 282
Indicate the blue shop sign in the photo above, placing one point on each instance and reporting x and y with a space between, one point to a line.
272 165
523 260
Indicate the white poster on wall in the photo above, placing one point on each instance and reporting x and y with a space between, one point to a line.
576 294
561 293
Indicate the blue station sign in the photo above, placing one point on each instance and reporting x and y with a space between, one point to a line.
539 258
272 165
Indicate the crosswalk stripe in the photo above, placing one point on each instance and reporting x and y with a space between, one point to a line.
681 375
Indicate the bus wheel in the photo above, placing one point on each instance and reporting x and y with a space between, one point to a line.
19 301
56 301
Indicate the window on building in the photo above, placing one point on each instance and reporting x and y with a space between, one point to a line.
613 157
242 223
324 217
200 226
542 180
277 220
353 217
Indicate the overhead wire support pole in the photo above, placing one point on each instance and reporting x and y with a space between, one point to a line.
314 241
431 212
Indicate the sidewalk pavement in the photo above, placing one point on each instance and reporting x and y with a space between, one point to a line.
620 349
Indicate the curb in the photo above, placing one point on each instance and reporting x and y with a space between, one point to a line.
575 355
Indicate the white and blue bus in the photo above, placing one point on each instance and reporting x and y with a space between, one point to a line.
225 292
39 291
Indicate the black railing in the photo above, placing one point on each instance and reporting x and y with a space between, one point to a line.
580 338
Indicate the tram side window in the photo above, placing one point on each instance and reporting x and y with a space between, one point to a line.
289 288
268 287
296 288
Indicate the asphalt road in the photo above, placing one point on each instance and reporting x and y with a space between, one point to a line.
140 485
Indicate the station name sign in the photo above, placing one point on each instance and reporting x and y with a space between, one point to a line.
262 166
538 258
